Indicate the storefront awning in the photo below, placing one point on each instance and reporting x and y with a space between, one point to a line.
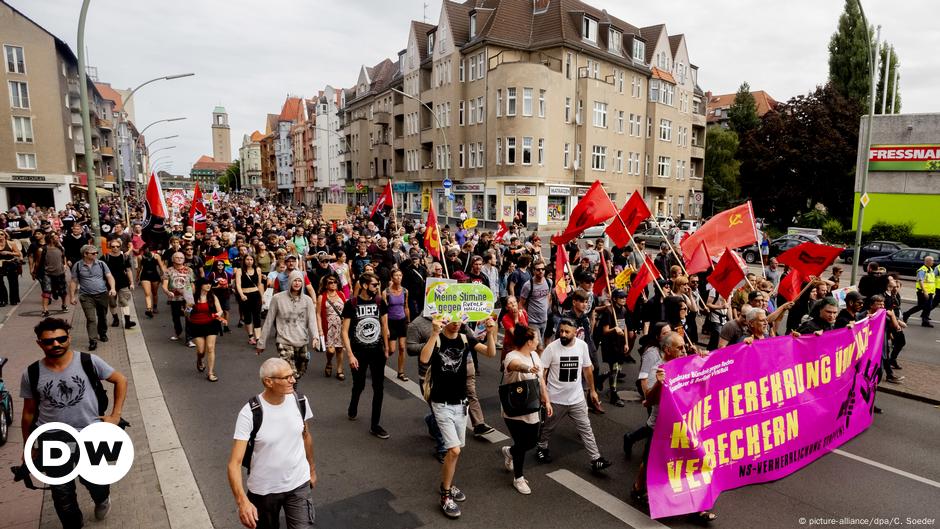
101 190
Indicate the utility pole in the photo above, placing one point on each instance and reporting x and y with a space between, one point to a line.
86 126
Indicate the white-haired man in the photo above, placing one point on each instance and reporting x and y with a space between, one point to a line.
272 440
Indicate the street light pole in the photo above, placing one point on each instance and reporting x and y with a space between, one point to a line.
872 69
86 125
439 127
163 138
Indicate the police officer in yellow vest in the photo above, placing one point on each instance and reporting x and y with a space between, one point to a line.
926 291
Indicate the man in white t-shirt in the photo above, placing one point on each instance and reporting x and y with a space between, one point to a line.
566 359
281 472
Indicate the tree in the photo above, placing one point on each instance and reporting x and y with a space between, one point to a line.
848 56
802 154
230 178
721 185
879 90
742 114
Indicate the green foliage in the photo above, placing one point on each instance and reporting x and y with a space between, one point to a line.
831 229
894 232
721 182
849 56
742 114
230 179
886 231
802 154
879 90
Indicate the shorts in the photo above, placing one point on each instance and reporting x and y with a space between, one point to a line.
397 329
123 298
452 422
223 301
53 286
201 330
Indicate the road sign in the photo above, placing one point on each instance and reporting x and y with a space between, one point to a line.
698 197
447 183
865 200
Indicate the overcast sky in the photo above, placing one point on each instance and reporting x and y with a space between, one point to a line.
249 55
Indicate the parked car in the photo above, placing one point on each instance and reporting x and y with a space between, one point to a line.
905 261
666 221
652 236
777 246
872 249
689 226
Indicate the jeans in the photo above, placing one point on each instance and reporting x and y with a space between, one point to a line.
524 437
95 307
375 362
297 505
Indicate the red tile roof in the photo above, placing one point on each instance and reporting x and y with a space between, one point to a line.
664 75
256 136
209 163
292 110
765 103
110 94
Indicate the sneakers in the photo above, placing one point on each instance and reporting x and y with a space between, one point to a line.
522 485
507 458
102 509
599 464
45 314
894 379
457 494
482 429
92 345
449 506
103 338
190 344
148 313
379 432
616 400
174 338
542 455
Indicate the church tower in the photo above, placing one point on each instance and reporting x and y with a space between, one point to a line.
221 136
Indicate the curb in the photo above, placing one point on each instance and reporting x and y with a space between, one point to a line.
907 395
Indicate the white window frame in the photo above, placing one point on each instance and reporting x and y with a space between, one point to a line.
639 51
460 156
22 52
599 118
480 109
510 101
19 100
664 166
618 162
614 41
589 30
471 111
527 102
620 121
541 103
499 151
499 102
665 130
599 157
649 127
510 150
473 25
481 59
567 110
481 159
473 156
526 150
578 112
566 156
460 71
577 156
22 157
460 114
568 64
472 74
541 152
654 90
27 138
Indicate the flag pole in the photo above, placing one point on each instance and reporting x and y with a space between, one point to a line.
750 208
440 245
633 242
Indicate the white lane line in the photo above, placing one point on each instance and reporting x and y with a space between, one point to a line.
610 504
891 469
412 387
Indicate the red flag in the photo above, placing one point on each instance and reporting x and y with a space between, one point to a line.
647 274
501 232
728 272
561 274
602 283
197 211
594 208
699 260
432 239
732 228
633 213
156 210
384 200
790 285
809 258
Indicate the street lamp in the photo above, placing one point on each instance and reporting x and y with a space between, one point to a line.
163 138
872 68
163 149
439 127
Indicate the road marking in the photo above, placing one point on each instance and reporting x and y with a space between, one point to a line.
412 387
882 466
609 503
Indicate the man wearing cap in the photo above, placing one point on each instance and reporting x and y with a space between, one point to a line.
614 332
281 282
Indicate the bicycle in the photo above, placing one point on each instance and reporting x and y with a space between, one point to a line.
6 407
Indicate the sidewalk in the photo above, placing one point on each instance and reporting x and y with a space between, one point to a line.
137 500
920 382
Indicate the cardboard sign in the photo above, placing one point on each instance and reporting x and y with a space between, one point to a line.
334 211
466 302
470 223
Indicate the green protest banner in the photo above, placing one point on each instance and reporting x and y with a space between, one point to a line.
458 301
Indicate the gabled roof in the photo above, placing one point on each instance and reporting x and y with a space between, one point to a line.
271 124
256 136
111 95
292 110
209 163
765 103
651 35
421 32
458 18
674 41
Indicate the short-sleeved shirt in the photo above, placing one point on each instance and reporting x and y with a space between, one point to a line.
536 296
564 366
449 369
365 326
66 396
511 377
651 361
732 332
119 265
279 461
92 279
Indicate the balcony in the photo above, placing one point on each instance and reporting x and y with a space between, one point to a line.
698 152
381 117
105 124
428 135
107 151
74 88
698 120
658 182
515 57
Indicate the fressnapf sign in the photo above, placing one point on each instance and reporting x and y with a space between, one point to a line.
904 158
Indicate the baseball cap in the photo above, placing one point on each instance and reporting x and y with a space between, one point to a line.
620 293
290 256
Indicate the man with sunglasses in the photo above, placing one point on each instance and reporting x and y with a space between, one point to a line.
95 285
121 270
365 337
62 392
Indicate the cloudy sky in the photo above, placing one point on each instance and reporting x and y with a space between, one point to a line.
248 55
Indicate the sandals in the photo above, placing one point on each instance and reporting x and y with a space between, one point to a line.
200 364
252 341
340 376
403 377
212 378
45 314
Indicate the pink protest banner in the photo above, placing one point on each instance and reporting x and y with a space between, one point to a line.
754 413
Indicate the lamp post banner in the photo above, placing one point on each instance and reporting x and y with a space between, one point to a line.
752 413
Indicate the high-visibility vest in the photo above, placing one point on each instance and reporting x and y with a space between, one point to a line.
929 282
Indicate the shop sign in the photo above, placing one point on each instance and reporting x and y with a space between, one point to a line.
27 178
519 190
406 187
468 188
559 191
904 158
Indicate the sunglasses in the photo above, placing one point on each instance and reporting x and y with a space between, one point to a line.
55 339
91 253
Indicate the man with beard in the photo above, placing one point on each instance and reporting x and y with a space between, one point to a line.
822 315
68 373
365 337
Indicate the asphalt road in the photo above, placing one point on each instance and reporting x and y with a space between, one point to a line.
365 482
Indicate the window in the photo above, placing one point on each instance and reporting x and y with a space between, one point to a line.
598 157
499 102
567 110
473 69
471 114
16 62
635 124
499 151
665 130
460 151
473 155
473 25
667 93
25 160
460 112
447 114
589 30
460 68
510 150
479 110
620 121
680 169
620 76
511 101
19 94
480 58
647 165
649 127
541 153
600 114
527 150
23 129
664 166
618 162
654 90
430 43
635 90
481 160
577 116
614 41
568 60
593 69
541 103
639 51
526 101
566 156
577 156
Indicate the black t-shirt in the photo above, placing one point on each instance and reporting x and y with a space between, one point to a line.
482 279
449 368
365 326
73 246
118 264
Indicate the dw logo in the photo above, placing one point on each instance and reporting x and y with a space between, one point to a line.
103 454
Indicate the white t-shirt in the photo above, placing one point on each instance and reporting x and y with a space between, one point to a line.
511 377
564 371
279 462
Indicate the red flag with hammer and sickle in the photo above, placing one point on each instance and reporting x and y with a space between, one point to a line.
732 228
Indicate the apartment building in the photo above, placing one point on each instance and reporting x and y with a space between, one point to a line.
328 144
249 156
292 112
42 151
718 105
522 105
269 157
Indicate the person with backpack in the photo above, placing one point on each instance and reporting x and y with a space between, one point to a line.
49 270
95 285
534 296
63 376
273 442
121 269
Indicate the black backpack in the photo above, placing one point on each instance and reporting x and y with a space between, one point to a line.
257 415
32 373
